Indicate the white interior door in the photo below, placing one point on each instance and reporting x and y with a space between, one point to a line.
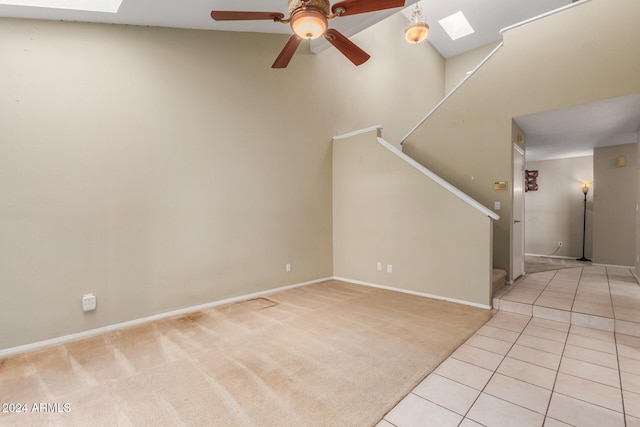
517 226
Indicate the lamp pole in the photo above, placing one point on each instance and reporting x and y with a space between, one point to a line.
585 190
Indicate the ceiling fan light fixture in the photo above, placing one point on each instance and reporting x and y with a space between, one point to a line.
417 29
309 20
309 23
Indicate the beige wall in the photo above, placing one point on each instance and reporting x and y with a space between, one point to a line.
548 64
385 211
393 89
458 66
637 260
614 205
555 212
163 168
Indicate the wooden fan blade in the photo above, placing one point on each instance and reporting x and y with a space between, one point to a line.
353 7
346 46
229 15
287 52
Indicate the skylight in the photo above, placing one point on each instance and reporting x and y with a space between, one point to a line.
456 26
110 6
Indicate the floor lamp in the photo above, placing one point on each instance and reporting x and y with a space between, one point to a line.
585 190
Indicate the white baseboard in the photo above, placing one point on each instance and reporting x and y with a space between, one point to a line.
613 265
85 334
92 332
407 291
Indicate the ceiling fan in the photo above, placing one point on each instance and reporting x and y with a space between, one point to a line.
309 20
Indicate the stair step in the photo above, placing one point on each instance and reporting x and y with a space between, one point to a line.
498 279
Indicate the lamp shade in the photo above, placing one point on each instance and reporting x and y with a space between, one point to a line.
309 23
415 33
417 29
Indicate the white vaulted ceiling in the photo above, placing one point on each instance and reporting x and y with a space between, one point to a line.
487 17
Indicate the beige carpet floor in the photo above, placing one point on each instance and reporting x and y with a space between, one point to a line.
537 264
326 354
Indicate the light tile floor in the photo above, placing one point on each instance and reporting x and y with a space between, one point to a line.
600 297
525 370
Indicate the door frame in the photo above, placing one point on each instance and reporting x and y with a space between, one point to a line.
517 215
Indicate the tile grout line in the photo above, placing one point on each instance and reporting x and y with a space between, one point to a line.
492 375
562 356
433 372
613 308
615 341
555 380
522 332
591 403
575 295
591 363
587 402
542 291
435 403
586 379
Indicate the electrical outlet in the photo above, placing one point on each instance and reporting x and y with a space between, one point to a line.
379 266
389 268
560 244
88 302
287 268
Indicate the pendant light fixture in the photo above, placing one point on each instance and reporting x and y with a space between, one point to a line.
417 29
